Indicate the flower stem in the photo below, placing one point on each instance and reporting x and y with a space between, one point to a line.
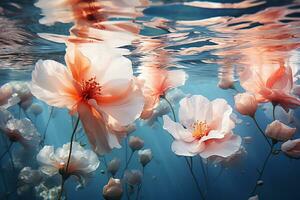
47 124
61 188
171 107
140 186
128 161
261 131
7 150
195 179
69 158
274 107
263 169
204 174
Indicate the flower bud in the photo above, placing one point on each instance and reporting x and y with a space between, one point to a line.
113 166
135 143
145 156
113 190
291 148
279 131
245 103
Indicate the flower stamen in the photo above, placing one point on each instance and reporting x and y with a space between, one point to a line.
200 129
90 89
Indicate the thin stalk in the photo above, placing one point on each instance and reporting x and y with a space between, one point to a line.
47 124
274 107
127 162
71 145
261 131
171 107
140 186
69 158
262 171
204 173
105 164
61 188
195 179
7 150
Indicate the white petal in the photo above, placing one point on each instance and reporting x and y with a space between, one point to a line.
52 83
222 147
195 108
177 130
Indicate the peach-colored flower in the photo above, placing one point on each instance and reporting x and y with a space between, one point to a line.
272 83
279 131
155 83
245 103
291 148
98 84
205 128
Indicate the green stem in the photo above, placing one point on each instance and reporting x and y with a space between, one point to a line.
7 150
171 107
274 106
69 159
195 179
204 173
140 186
263 169
47 124
261 131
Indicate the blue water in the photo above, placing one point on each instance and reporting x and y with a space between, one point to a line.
167 176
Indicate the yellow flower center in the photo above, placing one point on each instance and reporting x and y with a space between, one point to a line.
200 129
90 89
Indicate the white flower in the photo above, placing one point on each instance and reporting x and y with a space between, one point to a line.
28 178
205 128
82 161
23 131
145 156
113 190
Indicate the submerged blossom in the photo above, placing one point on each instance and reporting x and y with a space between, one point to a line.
145 156
271 83
113 166
155 84
291 148
113 190
246 104
205 128
82 162
135 143
36 109
99 88
279 131
22 131
133 177
28 178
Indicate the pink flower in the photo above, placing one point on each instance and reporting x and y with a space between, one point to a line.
155 83
270 83
291 148
279 131
245 104
98 84
205 128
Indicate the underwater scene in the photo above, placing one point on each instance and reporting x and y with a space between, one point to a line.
149 99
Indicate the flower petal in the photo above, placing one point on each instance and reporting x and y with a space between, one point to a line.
195 108
52 83
222 147
96 130
177 130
